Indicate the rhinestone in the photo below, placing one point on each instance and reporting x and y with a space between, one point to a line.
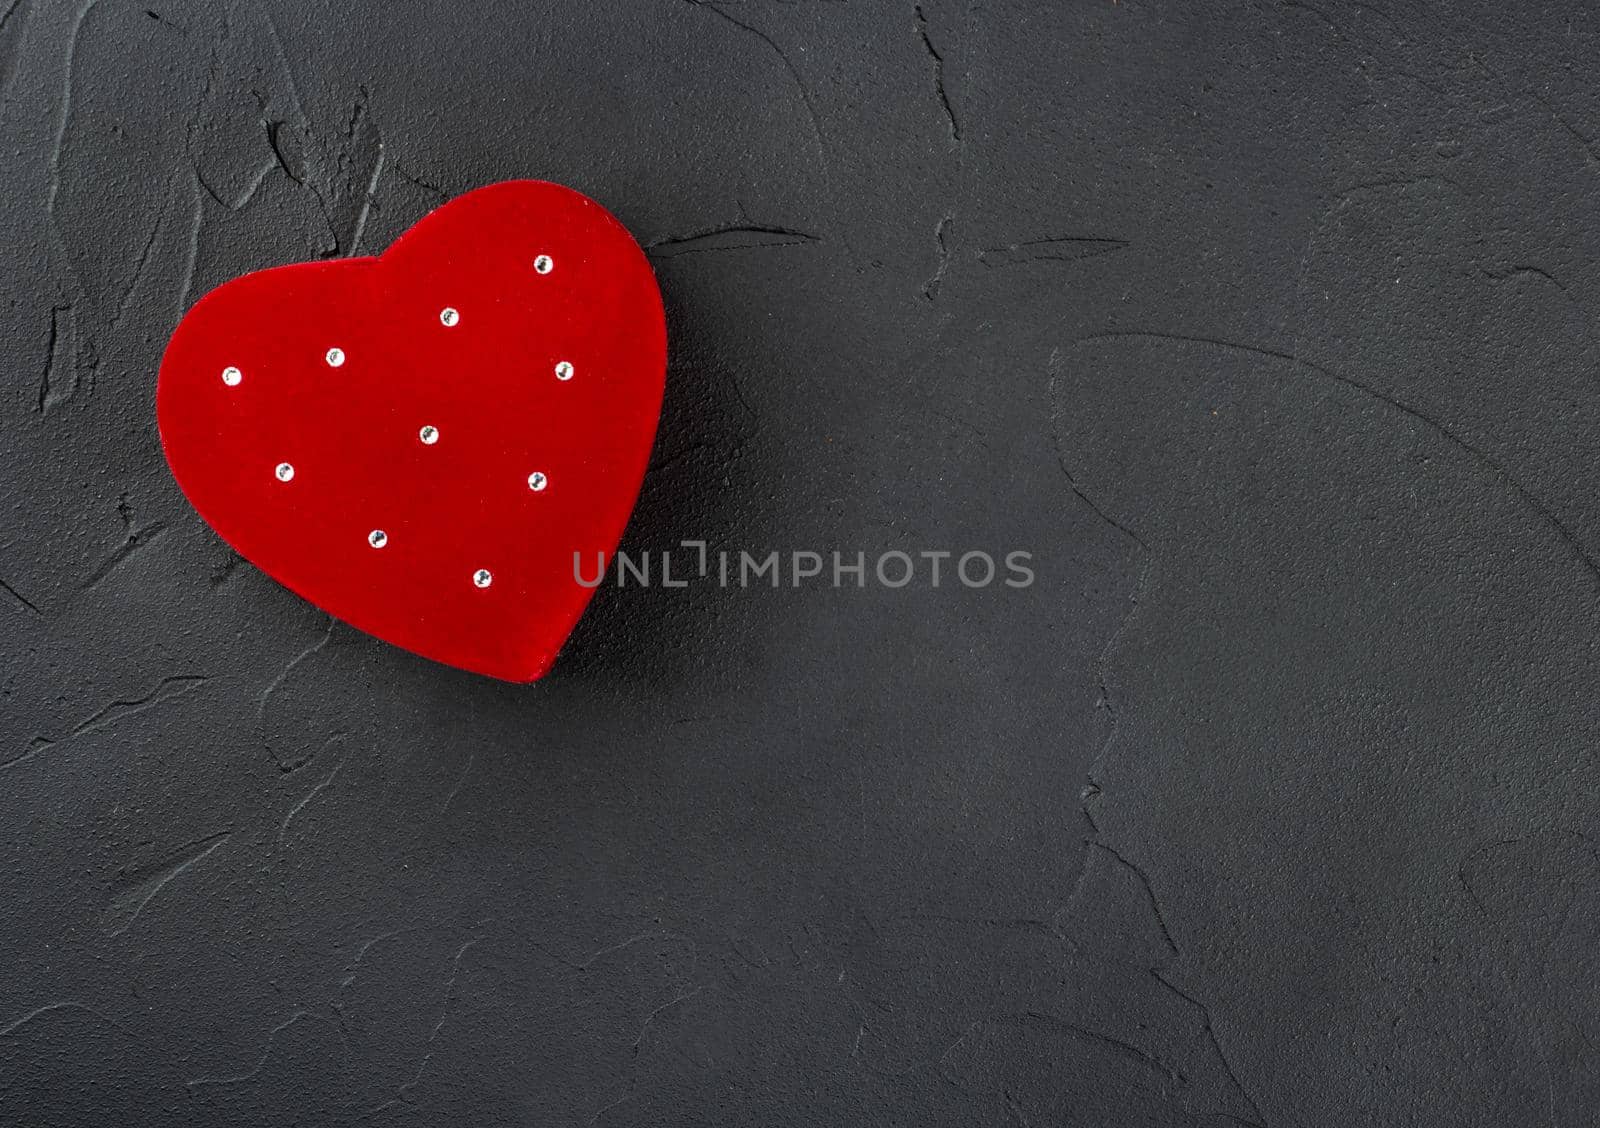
377 538
231 376
537 481
284 471
449 316
429 435
544 264
564 370
335 357
482 578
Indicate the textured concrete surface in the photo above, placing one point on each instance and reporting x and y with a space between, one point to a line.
1267 327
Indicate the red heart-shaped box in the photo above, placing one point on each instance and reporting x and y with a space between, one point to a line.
424 443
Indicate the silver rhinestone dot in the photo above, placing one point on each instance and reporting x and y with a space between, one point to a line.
449 316
284 471
537 481
564 370
429 435
544 264
377 538
231 376
482 578
335 357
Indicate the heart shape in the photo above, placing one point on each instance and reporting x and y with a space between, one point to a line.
420 443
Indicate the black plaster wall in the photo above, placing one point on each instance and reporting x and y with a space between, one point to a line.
1268 328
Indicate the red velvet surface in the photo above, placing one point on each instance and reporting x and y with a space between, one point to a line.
487 383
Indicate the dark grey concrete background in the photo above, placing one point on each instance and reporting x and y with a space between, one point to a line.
1267 327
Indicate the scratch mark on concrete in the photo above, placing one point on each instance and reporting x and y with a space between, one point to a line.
252 186
59 356
261 1062
144 257
460 779
125 909
343 190
279 156
585 963
170 25
1149 892
729 238
1126 1050
133 540
12 1027
938 75
662 1009
283 64
353 968
403 1093
794 73
283 827
65 111
277 682
116 711
413 178
1072 482
941 235
12 24
1055 248
1216 1042
618 1103
1525 271
1336 207
197 218
366 200
21 599
122 709
1579 552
